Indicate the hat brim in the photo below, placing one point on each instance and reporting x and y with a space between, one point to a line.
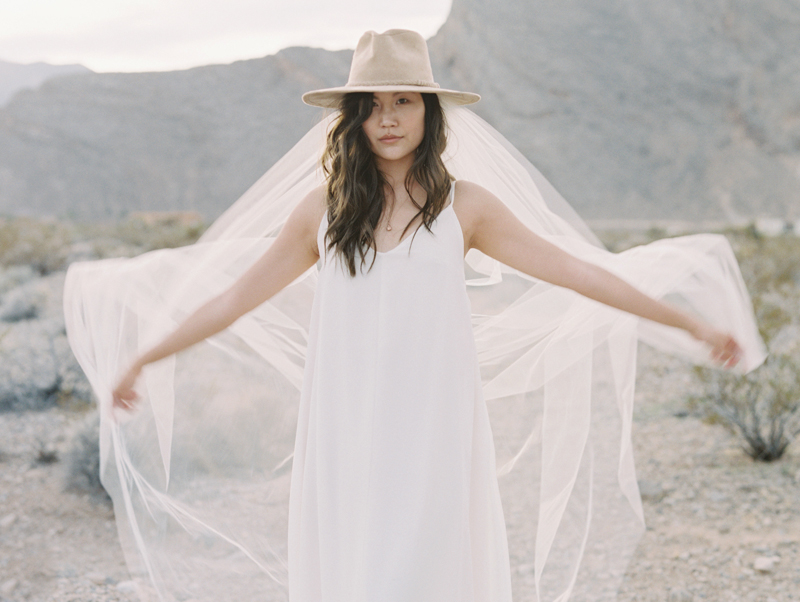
329 98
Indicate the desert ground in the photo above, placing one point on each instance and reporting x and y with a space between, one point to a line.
720 526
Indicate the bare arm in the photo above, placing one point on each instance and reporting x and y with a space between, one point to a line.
494 230
293 252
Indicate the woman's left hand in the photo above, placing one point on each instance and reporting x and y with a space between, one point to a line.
725 350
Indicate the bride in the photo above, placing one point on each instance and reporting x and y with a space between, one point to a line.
394 491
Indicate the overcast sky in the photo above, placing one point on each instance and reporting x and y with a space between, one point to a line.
159 35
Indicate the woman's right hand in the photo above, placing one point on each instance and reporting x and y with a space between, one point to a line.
124 395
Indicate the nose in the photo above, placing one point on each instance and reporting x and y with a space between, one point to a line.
388 116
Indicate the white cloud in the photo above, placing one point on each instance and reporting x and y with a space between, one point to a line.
144 35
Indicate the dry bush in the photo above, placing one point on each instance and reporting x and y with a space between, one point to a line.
83 459
49 245
159 230
41 244
763 407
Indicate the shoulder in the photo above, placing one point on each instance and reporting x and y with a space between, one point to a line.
304 221
315 202
472 204
309 211
471 192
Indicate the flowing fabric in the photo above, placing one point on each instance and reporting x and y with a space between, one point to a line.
200 473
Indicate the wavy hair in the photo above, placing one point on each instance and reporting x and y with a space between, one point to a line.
355 186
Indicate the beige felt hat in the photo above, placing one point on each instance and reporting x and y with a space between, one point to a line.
394 61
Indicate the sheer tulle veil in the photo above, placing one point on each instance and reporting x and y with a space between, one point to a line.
199 475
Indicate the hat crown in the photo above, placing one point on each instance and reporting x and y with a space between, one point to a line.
393 61
395 57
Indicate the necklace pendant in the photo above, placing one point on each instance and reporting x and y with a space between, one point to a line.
388 227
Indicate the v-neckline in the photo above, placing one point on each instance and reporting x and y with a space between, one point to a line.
411 234
451 197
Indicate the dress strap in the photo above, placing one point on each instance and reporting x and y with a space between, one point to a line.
323 228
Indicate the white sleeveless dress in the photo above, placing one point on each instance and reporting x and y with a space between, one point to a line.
394 494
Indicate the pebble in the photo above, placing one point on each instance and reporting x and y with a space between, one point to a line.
677 594
127 587
8 586
7 520
96 578
765 564
651 491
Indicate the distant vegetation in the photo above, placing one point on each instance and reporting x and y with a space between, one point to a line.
49 245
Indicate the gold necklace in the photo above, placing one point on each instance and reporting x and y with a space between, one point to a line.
389 219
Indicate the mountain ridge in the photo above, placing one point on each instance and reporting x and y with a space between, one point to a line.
682 109
20 76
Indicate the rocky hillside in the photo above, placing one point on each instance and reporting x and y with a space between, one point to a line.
15 77
676 109
100 145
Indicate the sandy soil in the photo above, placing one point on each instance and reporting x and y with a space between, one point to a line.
720 526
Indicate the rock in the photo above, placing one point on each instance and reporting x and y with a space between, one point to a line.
7 520
717 496
127 587
677 594
97 578
8 586
67 572
651 491
765 564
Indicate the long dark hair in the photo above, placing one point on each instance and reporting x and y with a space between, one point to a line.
355 188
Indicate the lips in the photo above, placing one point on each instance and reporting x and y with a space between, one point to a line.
389 138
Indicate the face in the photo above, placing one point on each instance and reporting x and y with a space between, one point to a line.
396 127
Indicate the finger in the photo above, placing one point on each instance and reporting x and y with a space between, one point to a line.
122 401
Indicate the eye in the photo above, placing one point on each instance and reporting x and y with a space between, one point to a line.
402 100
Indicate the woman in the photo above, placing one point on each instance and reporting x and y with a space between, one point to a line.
394 491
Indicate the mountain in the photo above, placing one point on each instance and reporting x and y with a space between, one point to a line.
679 109
672 109
97 146
15 77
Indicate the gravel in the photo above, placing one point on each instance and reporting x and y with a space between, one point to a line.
720 526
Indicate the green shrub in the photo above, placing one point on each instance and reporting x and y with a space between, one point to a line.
763 407
41 244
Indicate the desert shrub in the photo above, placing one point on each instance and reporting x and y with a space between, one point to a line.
48 245
763 407
83 458
41 244
158 230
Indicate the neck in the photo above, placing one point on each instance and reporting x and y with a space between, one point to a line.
395 172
